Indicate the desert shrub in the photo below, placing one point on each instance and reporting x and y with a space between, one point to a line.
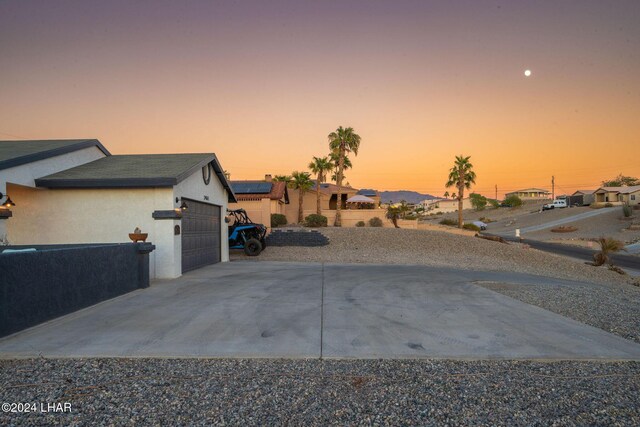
626 210
360 224
486 220
608 205
478 201
512 201
375 222
315 220
494 203
448 221
278 220
471 226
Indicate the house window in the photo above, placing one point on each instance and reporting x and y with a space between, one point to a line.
633 197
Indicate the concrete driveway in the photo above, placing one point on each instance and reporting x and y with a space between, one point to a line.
269 309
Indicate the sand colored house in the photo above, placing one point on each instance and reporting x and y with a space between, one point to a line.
445 205
618 195
261 199
328 200
531 194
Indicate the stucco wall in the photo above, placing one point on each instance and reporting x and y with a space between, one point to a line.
27 173
44 216
214 193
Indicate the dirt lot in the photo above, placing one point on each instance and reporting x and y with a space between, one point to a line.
425 247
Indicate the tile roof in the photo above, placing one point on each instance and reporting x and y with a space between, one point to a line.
330 188
367 192
16 153
277 191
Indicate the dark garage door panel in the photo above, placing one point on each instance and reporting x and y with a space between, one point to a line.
200 235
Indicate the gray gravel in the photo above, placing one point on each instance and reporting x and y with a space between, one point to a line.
434 248
316 392
614 308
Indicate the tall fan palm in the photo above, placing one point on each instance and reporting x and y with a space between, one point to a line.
335 158
301 181
342 142
461 176
320 166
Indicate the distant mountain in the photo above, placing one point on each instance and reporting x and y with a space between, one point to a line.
408 196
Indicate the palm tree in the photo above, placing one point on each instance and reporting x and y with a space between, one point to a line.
282 178
335 158
300 181
608 246
446 194
461 176
397 211
320 166
341 142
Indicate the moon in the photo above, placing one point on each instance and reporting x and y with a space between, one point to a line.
527 73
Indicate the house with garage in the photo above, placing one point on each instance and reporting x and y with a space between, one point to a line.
76 191
261 198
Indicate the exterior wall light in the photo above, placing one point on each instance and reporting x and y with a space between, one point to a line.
7 203
183 206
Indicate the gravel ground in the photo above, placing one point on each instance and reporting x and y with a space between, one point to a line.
425 247
613 308
317 392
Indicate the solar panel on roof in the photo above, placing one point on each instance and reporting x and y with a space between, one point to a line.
251 187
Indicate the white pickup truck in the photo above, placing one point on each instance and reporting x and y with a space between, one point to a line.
557 203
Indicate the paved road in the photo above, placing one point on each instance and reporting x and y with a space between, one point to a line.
623 260
306 310
555 223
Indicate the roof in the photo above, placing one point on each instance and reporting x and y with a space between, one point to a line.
584 191
16 153
258 190
136 171
330 188
530 190
621 190
367 192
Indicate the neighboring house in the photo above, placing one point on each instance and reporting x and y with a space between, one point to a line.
328 200
531 194
75 191
618 195
582 197
449 205
261 199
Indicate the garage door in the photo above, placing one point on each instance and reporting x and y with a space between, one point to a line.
200 235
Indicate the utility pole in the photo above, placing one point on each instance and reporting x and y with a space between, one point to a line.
553 187
496 191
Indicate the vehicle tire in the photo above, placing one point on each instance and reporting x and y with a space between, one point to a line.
252 247
263 242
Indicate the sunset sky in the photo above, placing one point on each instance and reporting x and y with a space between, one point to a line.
262 83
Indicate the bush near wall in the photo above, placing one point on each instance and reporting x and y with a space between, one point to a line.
449 221
472 227
278 220
375 222
360 224
512 201
315 220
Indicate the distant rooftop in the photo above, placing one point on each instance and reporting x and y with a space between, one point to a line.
16 153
